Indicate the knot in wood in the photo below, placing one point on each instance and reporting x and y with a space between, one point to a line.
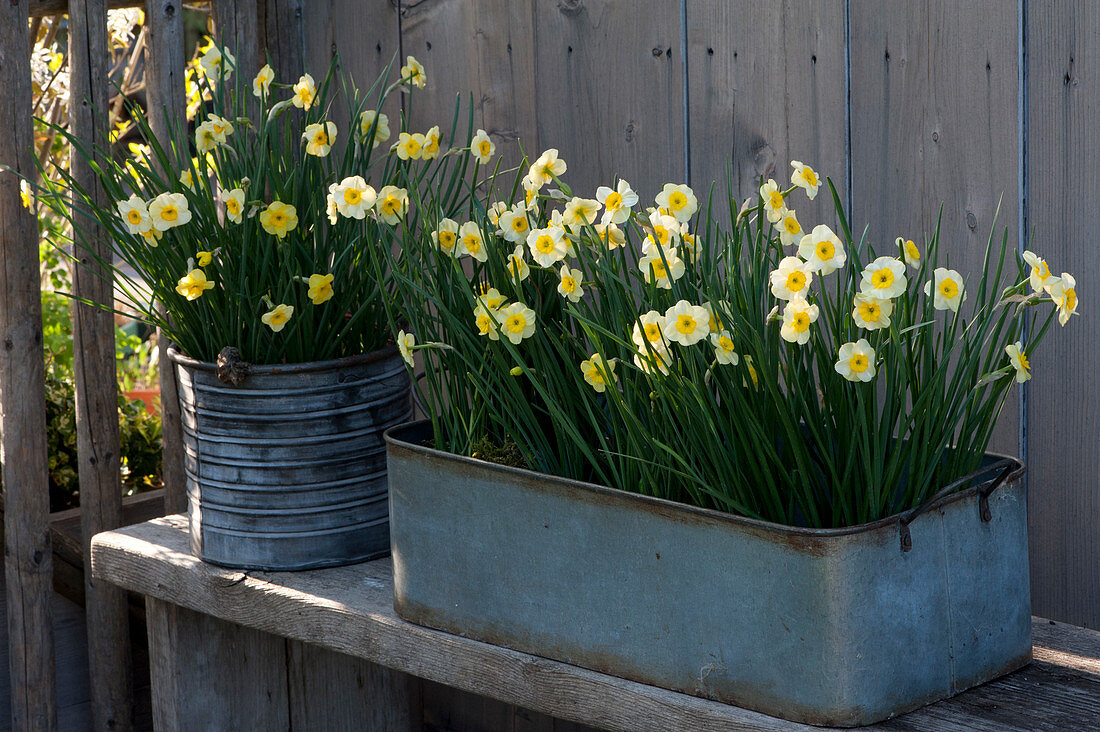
231 369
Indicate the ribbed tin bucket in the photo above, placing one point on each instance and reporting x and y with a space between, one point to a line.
287 469
830 627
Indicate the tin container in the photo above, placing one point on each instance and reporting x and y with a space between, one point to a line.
287 470
839 627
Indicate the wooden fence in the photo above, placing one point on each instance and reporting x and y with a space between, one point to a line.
904 104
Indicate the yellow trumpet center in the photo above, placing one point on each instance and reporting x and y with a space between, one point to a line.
858 363
883 278
613 201
796 281
949 289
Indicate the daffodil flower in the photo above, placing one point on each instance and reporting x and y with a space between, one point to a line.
664 231
204 258
580 212
648 333
392 203
277 317
884 278
135 215
413 73
319 138
870 312
679 201
662 267
234 204
169 210
617 202
482 147
193 284
430 149
220 127
305 91
216 65
187 179
494 212
856 361
653 362
791 279
1018 359
597 371
806 178
353 197
381 132
685 323
724 352
513 224
261 84
320 288
790 231
517 265
569 286
797 317
1039 273
445 236
548 246
409 146
406 342
909 252
610 235
775 206
949 289
205 141
1063 291
279 218
546 168
469 238
822 250
517 321
26 197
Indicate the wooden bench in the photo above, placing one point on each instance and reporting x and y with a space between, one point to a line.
324 650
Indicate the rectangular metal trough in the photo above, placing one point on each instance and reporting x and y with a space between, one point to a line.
832 627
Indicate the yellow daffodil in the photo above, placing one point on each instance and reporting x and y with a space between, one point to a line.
790 231
598 371
797 317
513 224
220 127
949 289
909 252
494 212
569 286
617 203
409 146
663 231
445 236
822 250
791 279
856 361
320 288
430 149
413 73
805 177
870 312
153 236
482 147
714 322
1018 359
724 352
1063 291
279 218
305 91
471 242
547 245
353 197
331 211
485 313
678 200
193 284
884 278
648 332
216 65
262 83
381 132
169 210
580 212
319 138
1039 273
774 205
546 168
517 321
517 265
135 214
662 267
234 204
685 323
205 141
26 197
277 317
187 179
204 258
610 235
653 362
392 203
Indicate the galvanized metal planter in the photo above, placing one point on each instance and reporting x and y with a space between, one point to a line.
286 470
836 627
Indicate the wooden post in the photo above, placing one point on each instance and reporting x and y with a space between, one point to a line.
97 429
164 81
28 566
236 26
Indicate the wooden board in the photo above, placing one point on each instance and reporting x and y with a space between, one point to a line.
935 119
1062 184
349 610
763 90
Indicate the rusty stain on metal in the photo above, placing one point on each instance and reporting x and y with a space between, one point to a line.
805 624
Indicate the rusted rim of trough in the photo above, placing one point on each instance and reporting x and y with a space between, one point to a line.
396 440
381 354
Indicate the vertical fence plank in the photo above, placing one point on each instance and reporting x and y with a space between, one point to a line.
483 48
609 90
284 34
28 557
96 381
237 27
766 84
164 82
1063 184
935 119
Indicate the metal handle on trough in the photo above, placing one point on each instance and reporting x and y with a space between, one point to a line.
983 497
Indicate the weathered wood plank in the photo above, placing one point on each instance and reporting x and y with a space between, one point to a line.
284 37
208 674
608 81
350 610
766 85
39 8
94 370
482 50
165 103
22 398
237 27
1062 183
935 119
